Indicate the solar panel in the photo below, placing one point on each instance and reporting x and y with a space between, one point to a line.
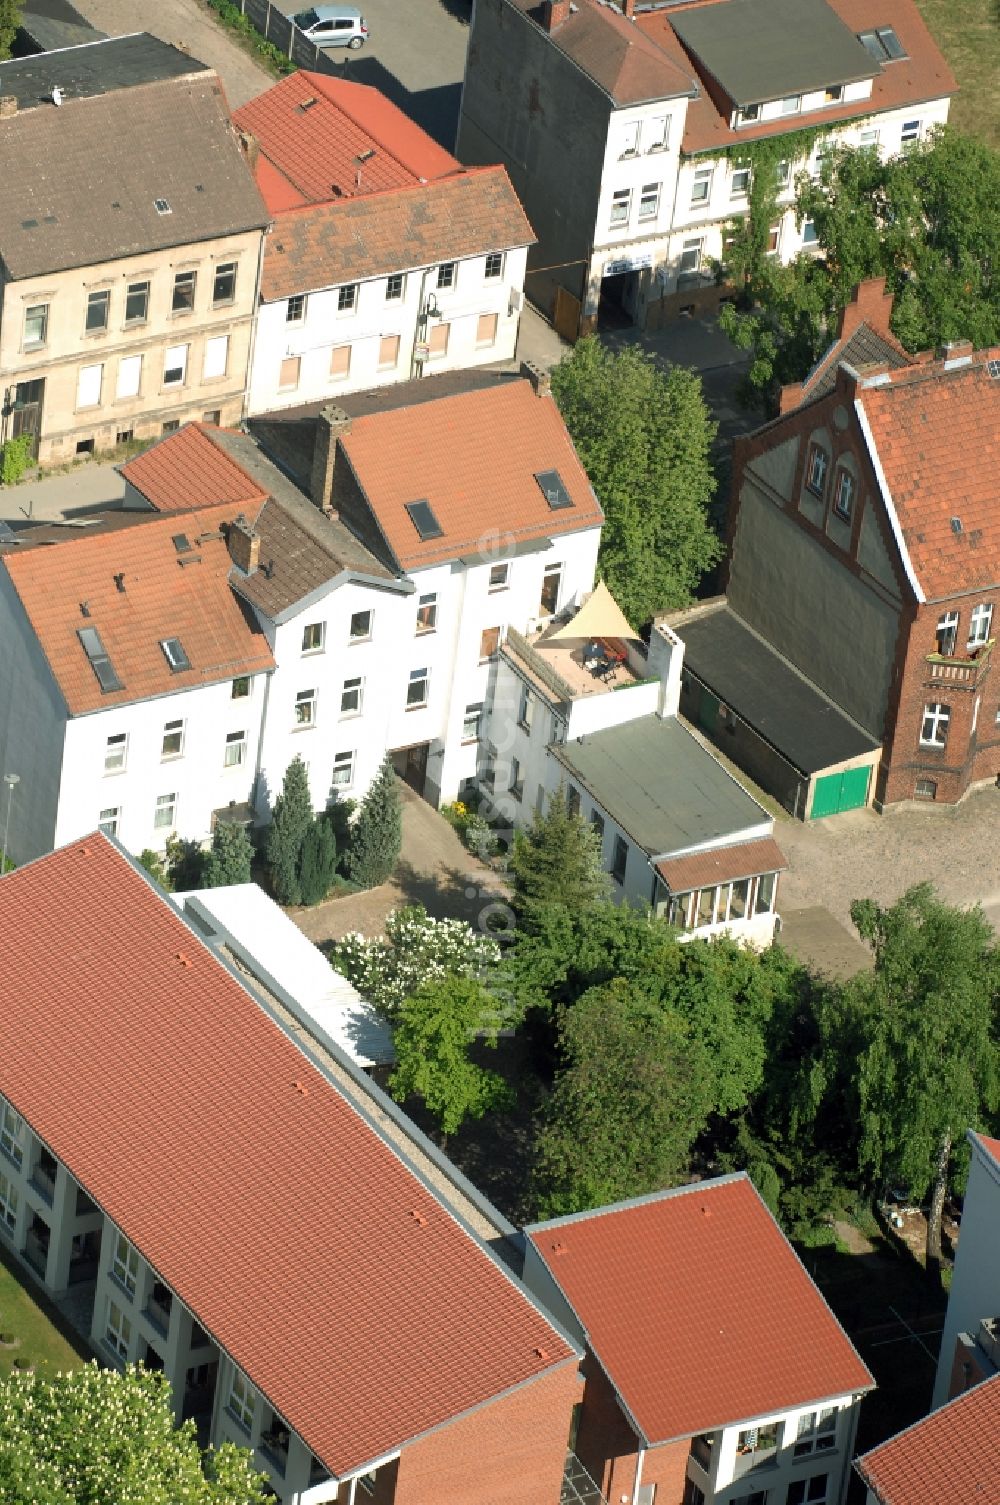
423 519
101 664
174 654
554 490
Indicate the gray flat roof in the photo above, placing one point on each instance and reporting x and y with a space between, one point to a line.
661 785
97 66
768 49
766 692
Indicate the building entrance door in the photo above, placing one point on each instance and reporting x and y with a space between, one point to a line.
26 412
837 792
410 764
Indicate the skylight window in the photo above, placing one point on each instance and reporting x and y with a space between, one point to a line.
162 207
554 490
882 44
993 367
182 543
423 519
101 664
174 654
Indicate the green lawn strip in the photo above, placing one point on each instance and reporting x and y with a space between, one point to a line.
968 33
46 1340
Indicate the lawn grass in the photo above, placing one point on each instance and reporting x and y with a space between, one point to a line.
968 33
46 1342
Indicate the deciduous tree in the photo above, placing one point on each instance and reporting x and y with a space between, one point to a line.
644 436
415 949
435 1031
99 1437
10 20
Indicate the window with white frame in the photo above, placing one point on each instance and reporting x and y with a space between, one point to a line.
347 298
791 104
224 284
701 186
816 469
343 770
394 286
129 378
868 138
313 637
767 887
235 753
843 495
783 174
172 745
979 624
416 689
388 352
242 1400
88 386
548 603
175 366
182 301
629 139
470 722
352 697
125 1265
494 265
655 133
136 302
499 576
690 256
8 1204
12 1134
525 710
216 357
340 361
446 274
739 184
649 201
748 115
934 728
361 626
241 687
621 204
814 1491
816 1432
295 308
117 1331
910 135
947 633
108 820
427 612
774 239
116 753
165 812
305 708
36 324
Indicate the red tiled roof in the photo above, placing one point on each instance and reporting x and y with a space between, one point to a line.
991 1146
165 595
937 435
352 239
186 470
616 54
301 1242
698 1309
922 75
722 865
474 458
311 148
953 1455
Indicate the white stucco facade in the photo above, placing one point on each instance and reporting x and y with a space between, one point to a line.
975 1281
309 348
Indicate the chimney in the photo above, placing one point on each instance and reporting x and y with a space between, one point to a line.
332 423
244 546
870 304
539 378
251 148
554 13
8 106
956 352
628 9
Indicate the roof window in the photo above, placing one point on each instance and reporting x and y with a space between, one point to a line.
101 664
423 519
162 207
553 489
174 654
882 44
993 367
182 543
956 525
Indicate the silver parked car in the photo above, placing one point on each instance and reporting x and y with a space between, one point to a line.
333 26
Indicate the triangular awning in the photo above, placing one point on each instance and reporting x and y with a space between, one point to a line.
600 616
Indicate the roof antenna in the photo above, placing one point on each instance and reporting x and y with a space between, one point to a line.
360 161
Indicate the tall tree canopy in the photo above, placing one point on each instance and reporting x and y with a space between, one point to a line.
557 862
929 1066
99 1437
644 436
435 1031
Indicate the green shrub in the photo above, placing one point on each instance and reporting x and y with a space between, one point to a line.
15 459
155 867
230 15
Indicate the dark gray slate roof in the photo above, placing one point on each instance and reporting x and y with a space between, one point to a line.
763 688
766 49
80 180
84 70
49 24
864 348
662 787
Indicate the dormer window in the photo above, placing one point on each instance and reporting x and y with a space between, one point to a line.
834 94
791 104
748 115
882 44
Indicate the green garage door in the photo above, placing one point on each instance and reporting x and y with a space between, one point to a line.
840 791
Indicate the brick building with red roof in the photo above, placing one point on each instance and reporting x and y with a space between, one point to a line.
864 560
207 1193
622 127
386 257
950 1455
712 1361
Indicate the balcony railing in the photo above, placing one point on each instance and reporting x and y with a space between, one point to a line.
968 671
536 663
755 1458
157 1314
36 1252
44 1183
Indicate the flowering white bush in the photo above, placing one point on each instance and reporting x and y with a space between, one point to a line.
415 949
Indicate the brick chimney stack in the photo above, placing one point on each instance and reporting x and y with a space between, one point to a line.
628 9
244 545
332 424
554 13
539 378
251 148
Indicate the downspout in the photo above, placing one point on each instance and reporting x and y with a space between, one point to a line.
260 740
254 316
638 1475
416 367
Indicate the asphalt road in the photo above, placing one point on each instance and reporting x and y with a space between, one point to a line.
415 54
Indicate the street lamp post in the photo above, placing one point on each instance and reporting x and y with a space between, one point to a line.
10 779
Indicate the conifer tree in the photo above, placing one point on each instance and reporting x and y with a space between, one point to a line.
230 857
377 833
318 864
292 818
